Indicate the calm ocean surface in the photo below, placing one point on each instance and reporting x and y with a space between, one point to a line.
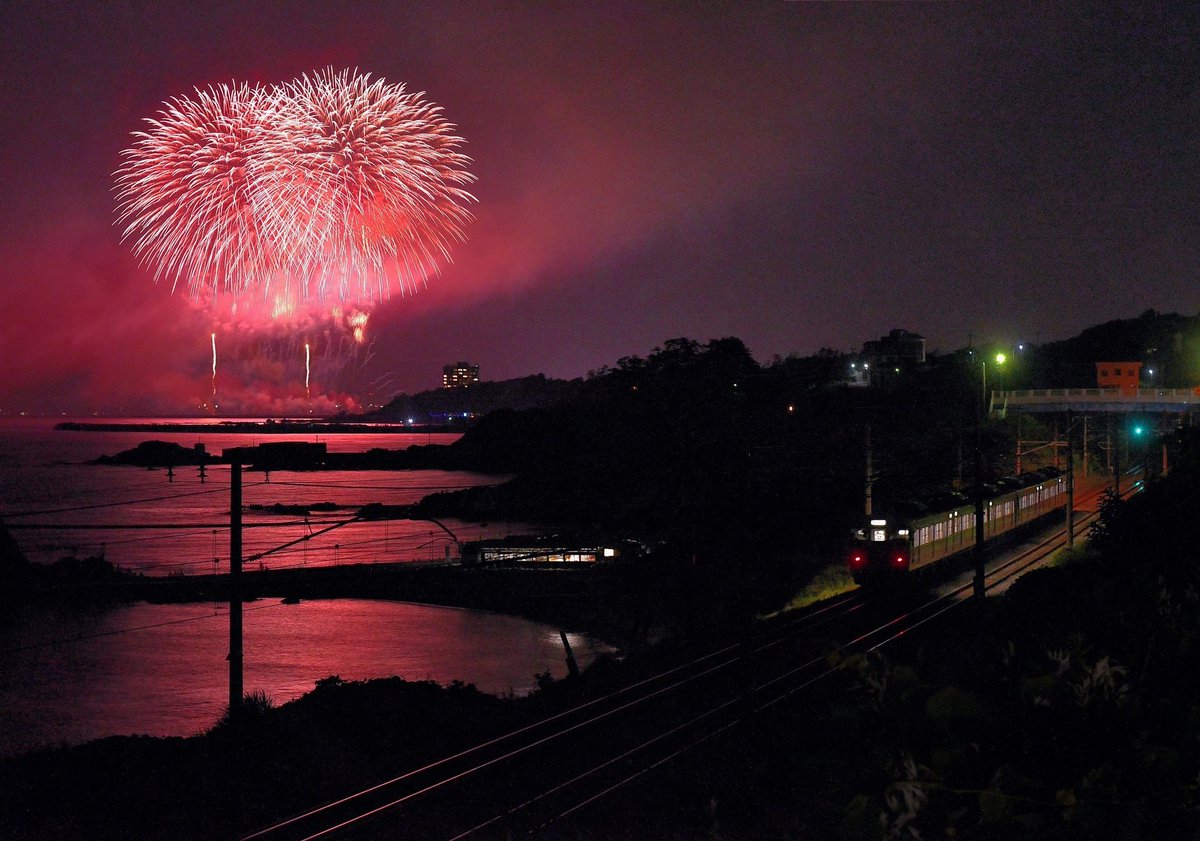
69 676
44 470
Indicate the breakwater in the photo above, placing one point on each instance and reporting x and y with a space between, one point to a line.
274 427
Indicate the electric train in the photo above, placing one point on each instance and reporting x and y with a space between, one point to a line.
886 547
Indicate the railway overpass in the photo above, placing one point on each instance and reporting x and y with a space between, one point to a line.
1096 400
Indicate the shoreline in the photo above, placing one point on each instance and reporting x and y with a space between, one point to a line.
583 599
282 427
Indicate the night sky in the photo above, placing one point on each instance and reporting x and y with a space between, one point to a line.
798 175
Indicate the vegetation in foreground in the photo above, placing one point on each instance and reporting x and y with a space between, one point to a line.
274 761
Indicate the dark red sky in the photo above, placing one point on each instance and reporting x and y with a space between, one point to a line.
797 175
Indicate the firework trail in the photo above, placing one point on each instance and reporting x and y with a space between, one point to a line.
214 371
307 370
333 184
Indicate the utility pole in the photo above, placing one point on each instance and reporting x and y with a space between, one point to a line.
1018 470
979 590
870 478
1084 450
1055 438
1116 450
1070 482
235 587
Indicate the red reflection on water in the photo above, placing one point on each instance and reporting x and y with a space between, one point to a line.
172 679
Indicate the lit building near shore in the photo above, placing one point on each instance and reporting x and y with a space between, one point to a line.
890 355
460 375
547 551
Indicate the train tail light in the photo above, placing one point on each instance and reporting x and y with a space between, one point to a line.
900 560
858 561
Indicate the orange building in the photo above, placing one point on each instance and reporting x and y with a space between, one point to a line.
1122 375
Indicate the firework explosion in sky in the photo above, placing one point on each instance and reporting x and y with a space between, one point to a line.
277 207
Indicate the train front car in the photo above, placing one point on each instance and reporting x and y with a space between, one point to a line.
880 551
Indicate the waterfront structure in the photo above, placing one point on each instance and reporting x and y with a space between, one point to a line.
460 375
541 551
279 455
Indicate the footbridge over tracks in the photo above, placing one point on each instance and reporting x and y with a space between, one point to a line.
1080 400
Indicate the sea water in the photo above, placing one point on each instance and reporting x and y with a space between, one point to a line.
72 674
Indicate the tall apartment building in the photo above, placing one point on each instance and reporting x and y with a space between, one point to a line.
459 375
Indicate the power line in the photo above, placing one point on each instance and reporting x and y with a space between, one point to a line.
260 555
113 633
339 486
159 526
153 537
115 504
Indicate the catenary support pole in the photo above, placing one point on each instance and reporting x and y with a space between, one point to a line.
235 587
979 590
1070 481
870 479
1116 450
1084 449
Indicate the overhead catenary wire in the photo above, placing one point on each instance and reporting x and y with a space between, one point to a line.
824 673
117 631
157 526
614 696
160 498
498 740
303 538
952 603
340 486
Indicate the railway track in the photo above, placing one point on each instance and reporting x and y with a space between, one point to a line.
554 737
522 782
